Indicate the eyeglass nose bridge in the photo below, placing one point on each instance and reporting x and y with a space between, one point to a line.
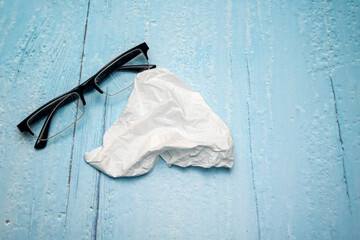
92 85
80 92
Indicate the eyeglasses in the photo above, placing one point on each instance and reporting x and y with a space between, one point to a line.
65 110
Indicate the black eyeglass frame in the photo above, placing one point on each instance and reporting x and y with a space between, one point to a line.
89 84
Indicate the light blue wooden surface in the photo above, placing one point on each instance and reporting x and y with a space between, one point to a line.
284 75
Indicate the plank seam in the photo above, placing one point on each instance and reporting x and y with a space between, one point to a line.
81 66
341 143
337 117
73 137
250 149
83 49
99 176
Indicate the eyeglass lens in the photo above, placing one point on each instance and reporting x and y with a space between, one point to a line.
68 110
119 75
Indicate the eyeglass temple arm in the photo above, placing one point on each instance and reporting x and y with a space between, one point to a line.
40 144
136 68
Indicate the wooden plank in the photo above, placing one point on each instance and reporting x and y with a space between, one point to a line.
343 32
296 149
40 49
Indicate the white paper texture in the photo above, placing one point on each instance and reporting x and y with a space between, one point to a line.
163 117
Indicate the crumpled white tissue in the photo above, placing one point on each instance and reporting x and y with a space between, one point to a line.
163 117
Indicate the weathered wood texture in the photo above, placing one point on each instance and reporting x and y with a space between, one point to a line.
284 75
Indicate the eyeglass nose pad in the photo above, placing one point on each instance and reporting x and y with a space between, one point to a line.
82 98
145 53
98 89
